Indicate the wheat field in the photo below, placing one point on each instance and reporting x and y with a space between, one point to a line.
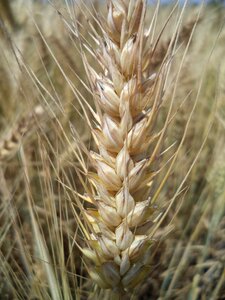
112 150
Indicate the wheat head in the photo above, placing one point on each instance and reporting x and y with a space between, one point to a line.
12 141
128 95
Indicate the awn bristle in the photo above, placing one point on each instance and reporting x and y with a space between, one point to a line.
128 96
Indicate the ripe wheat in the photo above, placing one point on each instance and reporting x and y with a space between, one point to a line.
128 95
10 143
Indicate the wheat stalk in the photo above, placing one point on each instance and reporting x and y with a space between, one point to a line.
128 96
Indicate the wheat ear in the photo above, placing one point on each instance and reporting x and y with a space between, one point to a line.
10 143
128 96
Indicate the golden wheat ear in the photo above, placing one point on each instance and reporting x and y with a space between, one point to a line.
10 144
128 96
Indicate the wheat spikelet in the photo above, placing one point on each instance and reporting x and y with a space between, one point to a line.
128 97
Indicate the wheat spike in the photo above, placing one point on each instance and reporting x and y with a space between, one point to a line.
183 37
128 96
10 144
